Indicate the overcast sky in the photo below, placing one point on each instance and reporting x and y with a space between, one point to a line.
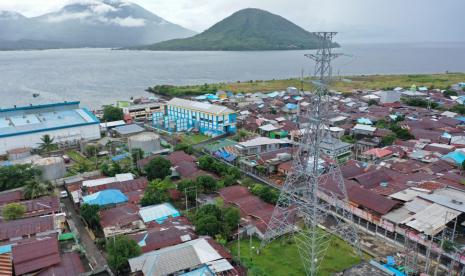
357 20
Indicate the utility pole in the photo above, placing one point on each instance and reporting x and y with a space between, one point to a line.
311 192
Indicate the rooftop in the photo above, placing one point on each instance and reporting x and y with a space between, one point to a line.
30 119
200 106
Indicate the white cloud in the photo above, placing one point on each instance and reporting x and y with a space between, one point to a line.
128 21
68 16
102 8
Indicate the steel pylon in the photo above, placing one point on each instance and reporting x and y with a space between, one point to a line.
314 193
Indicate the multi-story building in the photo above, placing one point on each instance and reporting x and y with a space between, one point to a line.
184 115
66 123
142 112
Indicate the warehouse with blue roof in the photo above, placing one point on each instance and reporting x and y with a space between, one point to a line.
23 127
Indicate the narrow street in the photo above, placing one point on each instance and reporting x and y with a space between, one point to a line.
93 254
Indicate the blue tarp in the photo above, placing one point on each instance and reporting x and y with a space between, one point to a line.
202 271
446 135
225 155
120 157
457 156
395 271
460 118
291 106
105 197
364 121
5 249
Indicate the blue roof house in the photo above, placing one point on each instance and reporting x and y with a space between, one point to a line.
456 157
105 197
364 121
158 213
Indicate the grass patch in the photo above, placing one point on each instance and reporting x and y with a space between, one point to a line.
192 139
281 257
347 84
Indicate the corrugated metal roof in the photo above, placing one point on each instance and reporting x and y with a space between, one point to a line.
36 255
6 264
432 219
158 213
25 227
199 106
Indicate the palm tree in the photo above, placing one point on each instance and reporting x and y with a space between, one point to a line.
47 144
35 189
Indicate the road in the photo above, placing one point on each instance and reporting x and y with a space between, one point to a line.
93 254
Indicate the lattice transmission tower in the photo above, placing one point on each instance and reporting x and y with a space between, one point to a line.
314 194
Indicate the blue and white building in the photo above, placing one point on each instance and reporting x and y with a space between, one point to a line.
23 127
184 115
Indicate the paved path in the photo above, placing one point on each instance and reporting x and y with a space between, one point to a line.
94 255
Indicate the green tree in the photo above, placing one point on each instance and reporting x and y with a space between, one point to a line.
448 93
47 144
231 217
120 250
158 167
15 176
156 193
207 183
35 188
388 140
208 225
208 209
372 102
136 155
401 133
187 187
90 214
111 169
206 162
184 147
458 108
112 113
91 150
266 193
13 211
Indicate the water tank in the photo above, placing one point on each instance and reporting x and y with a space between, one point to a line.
147 141
52 167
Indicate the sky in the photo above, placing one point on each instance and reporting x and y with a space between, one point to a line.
357 21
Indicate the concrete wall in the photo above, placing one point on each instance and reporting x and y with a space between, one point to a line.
33 140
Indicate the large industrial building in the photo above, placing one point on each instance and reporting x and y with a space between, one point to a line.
183 115
66 123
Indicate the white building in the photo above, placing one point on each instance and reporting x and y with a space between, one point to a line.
66 123
389 96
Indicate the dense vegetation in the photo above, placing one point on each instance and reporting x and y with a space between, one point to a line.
17 176
248 29
120 250
345 84
156 192
213 220
158 167
173 91
112 113
229 174
13 211
90 214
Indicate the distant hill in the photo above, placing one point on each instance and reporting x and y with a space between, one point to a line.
247 29
99 23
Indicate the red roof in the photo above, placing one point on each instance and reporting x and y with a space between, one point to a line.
41 206
370 200
25 227
379 153
160 238
180 156
121 215
8 197
70 265
37 255
125 186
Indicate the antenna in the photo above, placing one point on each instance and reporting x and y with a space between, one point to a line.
311 191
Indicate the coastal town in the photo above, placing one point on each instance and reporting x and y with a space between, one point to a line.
187 185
